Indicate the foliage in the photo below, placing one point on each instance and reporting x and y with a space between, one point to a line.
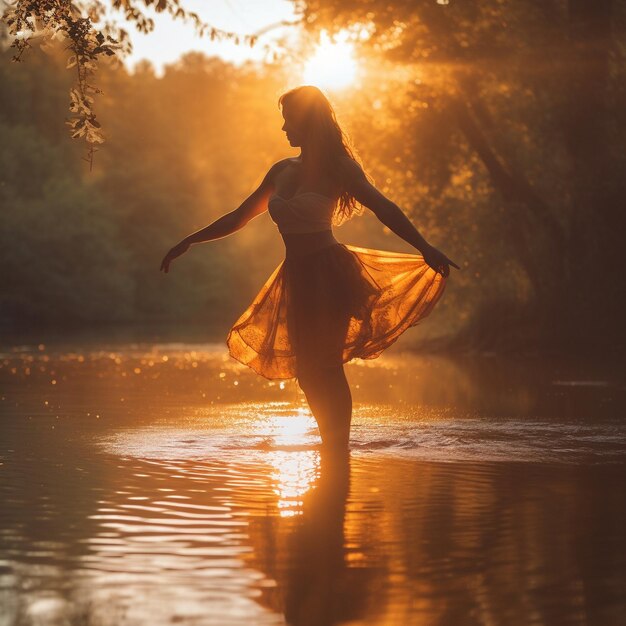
86 247
79 27
522 104
498 127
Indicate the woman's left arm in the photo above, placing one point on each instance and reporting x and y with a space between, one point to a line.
393 217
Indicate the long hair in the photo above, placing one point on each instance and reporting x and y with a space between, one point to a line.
326 141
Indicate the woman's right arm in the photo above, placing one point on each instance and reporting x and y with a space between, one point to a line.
253 205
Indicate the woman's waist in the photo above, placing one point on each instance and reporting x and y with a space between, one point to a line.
301 244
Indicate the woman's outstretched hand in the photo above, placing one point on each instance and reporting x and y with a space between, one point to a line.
438 261
176 251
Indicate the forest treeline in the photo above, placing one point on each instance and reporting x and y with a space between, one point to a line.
505 147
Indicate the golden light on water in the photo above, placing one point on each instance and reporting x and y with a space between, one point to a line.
293 475
293 471
332 65
289 430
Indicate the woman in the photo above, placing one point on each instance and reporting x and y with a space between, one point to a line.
327 302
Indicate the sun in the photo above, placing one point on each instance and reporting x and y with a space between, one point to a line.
332 65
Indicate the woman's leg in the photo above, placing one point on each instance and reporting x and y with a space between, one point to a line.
318 319
328 394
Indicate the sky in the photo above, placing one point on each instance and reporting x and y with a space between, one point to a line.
172 38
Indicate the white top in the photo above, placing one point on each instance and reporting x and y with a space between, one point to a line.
306 212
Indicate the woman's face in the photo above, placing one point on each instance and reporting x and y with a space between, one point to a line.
291 128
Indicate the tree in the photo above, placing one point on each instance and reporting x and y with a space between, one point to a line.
81 28
533 91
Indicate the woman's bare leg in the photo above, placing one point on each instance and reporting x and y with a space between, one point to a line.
328 394
319 328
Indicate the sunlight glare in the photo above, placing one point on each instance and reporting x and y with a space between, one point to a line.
294 470
332 65
293 475
290 430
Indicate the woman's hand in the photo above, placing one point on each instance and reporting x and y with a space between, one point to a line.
438 261
176 251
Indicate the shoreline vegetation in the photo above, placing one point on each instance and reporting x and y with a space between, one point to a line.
81 249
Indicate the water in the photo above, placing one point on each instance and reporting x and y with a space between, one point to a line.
167 484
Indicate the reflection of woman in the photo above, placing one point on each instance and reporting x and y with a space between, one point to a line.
327 302
319 589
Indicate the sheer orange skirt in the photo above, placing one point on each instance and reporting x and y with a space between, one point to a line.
330 306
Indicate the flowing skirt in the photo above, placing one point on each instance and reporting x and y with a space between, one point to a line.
330 306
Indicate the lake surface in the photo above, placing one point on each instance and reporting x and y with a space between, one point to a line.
166 484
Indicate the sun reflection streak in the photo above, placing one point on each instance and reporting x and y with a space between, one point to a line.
290 429
293 475
295 470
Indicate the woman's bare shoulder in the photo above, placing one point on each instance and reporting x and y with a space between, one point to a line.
279 166
352 169
270 177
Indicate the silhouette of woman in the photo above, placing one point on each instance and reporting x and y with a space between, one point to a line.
327 302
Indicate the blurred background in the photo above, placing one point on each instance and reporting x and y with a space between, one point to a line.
148 478
498 128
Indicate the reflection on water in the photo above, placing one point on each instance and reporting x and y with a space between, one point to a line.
169 486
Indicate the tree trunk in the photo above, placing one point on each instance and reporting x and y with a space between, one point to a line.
597 218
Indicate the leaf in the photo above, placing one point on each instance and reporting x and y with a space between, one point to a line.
80 132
